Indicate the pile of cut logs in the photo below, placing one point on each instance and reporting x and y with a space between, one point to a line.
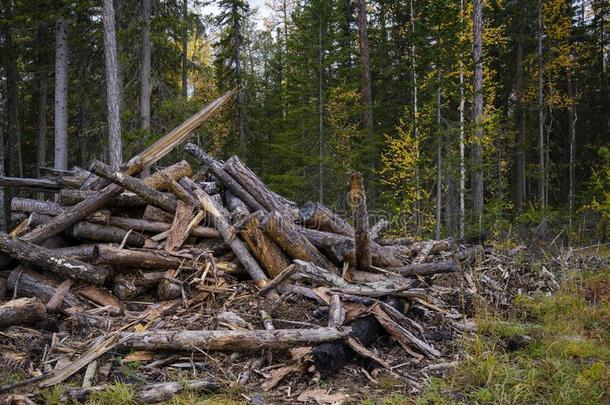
106 245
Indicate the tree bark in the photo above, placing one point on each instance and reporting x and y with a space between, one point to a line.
21 311
238 209
520 195
360 217
439 155
5 211
105 233
146 67
30 283
185 43
140 258
61 93
541 150
179 230
113 92
39 207
267 252
572 117
425 269
41 122
317 216
123 200
365 78
462 135
230 340
477 112
47 260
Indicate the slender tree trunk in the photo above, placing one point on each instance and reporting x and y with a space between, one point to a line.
520 172
365 72
145 71
12 100
61 93
241 117
5 212
439 157
113 92
462 140
185 44
572 117
415 118
541 151
320 108
477 150
41 123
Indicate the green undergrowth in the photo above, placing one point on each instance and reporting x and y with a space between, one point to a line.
564 359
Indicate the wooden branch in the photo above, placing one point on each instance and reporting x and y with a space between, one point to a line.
219 217
360 216
224 177
279 279
232 340
21 311
268 254
46 259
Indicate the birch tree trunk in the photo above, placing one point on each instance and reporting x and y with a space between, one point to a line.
477 150
541 163
145 70
61 93
113 92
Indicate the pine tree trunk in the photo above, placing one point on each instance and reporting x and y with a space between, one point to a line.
462 140
416 207
320 109
145 71
113 92
477 150
439 158
241 118
5 211
541 156
12 100
520 172
185 43
61 93
367 97
41 123
572 117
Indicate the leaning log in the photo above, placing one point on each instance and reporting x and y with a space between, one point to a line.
267 252
283 231
219 216
46 259
225 178
231 340
164 201
317 216
29 283
21 311
360 217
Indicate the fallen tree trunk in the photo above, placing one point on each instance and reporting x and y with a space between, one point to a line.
238 209
21 311
29 283
224 177
317 216
425 269
164 201
106 233
219 217
287 236
65 178
269 255
30 183
72 197
231 340
360 217
143 225
148 393
39 207
257 189
46 259
142 258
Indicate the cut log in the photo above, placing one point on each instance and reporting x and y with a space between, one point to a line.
30 183
179 230
105 233
329 358
425 269
164 201
210 187
283 231
21 311
151 155
219 217
225 178
340 248
148 393
267 252
317 216
176 171
257 189
29 283
86 253
238 209
169 288
360 217
46 259
142 258
143 225
65 178
230 340
40 207
72 197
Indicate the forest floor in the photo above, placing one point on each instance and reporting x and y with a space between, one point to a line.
531 346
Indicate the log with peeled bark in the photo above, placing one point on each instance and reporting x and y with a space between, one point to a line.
29 283
125 199
219 217
317 216
46 259
267 252
21 311
229 340
179 230
360 217
224 177
425 269
147 393
146 158
39 207
258 189
102 298
283 231
152 196
330 357
238 209
340 248
142 258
